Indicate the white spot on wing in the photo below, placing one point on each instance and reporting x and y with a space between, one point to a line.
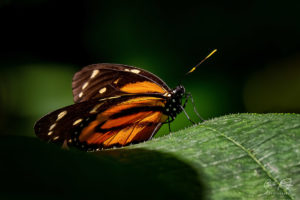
136 71
77 122
127 70
52 126
114 97
85 85
94 110
95 72
61 115
50 133
116 81
80 94
101 91
55 138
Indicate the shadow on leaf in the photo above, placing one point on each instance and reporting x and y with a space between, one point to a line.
34 169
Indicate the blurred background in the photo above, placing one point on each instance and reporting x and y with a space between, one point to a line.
256 69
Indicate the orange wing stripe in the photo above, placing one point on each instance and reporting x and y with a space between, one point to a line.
99 138
88 131
135 102
124 120
136 132
120 137
144 134
138 126
142 87
94 138
154 118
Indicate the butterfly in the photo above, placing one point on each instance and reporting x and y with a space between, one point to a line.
115 105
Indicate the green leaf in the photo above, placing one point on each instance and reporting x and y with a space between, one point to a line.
242 156
249 156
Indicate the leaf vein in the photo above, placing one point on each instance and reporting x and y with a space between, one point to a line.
253 157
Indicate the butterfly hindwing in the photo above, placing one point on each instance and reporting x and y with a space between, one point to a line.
104 123
133 131
58 125
111 80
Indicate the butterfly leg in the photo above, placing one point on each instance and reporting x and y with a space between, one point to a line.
187 116
155 130
189 95
186 100
169 122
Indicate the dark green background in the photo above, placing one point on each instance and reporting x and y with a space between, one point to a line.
256 69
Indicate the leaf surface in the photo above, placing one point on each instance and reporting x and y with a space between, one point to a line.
240 156
252 156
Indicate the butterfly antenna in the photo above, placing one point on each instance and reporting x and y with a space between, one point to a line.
194 68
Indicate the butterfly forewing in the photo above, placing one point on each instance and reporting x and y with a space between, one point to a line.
112 80
104 123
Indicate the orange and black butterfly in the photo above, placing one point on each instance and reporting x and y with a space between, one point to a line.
115 105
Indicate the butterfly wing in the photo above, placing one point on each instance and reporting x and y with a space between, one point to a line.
97 124
112 80
58 125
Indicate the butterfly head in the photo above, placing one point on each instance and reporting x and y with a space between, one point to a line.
179 91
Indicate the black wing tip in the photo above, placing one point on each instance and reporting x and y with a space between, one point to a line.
37 127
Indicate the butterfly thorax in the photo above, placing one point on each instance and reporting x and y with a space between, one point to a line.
173 106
